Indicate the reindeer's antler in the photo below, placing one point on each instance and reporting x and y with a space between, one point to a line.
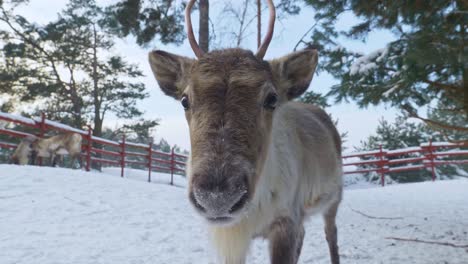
191 37
269 35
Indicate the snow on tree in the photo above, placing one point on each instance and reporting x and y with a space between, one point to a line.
426 63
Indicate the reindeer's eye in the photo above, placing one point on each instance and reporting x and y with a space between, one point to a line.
271 101
185 103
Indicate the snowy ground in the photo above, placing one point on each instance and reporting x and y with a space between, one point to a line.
52 215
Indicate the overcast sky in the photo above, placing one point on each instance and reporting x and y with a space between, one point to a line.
359 123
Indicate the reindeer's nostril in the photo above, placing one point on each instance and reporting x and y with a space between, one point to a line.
240 203
195 202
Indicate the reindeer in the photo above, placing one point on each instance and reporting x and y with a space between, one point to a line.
22 153
260 163
59 145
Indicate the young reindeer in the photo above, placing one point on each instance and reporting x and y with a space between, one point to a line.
260 163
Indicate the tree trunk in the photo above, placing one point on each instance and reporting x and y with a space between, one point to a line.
97 103
462 6
97 131
204 31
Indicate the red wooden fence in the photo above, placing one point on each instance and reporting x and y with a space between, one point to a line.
122 153
426 156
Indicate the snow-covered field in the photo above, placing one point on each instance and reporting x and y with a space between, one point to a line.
53 215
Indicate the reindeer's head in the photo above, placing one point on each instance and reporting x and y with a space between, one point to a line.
230 97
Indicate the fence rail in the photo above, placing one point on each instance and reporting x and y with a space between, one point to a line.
428 155
120 153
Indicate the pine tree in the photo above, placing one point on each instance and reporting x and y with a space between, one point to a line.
147 20
70 66
427 62
403 134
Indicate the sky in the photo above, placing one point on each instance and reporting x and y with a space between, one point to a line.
358 123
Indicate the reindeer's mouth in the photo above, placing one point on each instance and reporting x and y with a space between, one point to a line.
219 220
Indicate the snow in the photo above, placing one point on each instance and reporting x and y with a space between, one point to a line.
395 87
61 126
363 153
438 144
142 175
451 152
391 90
357 181
366 63
393 161
461 172
407 167
105 141
403 150
54 215
138 145
17 118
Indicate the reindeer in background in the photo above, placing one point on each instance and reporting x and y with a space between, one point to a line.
51 148
261 163
23 152
59 145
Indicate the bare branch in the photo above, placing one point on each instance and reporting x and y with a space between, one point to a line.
432 123
33 44
301 40
242 21
428 242
443 86
240 16
375 217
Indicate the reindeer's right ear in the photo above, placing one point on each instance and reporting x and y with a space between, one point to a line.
171 71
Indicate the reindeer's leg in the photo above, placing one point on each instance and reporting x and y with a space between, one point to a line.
53 160
300 237
74 158
33 157
331 232
61 160
285 241
80 160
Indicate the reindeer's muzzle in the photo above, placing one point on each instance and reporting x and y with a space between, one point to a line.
219 200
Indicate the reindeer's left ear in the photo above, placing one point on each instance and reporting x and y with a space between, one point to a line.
294 72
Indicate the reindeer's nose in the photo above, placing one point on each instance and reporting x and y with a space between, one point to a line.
217 201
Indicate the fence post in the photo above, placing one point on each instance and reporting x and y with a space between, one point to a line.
172 165
150 156
382 164
89 138
122 156
42 130
431 157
